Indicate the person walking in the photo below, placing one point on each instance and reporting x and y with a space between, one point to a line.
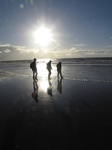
49 69
34 69
59 67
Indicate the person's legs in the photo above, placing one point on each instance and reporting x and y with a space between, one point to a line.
36 73
57 72
60 74
33 75
49 74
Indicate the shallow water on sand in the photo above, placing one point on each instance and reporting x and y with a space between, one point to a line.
76 111
72 69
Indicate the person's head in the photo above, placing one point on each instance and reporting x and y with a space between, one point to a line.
34 59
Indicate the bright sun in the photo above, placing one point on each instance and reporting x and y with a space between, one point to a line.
43 36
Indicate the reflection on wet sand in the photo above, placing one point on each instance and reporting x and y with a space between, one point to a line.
49 89
46 86
35 92
59 86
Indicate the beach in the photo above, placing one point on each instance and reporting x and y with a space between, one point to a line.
72 113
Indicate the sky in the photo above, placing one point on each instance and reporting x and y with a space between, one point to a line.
79 28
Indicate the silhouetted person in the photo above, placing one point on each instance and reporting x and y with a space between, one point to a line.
34 68
59 70
59 86
35 92
49 89
49 69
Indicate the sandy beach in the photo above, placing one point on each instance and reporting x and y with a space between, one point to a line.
44 40
67 114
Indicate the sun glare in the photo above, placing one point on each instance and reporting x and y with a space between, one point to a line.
44 85
43 36
42 71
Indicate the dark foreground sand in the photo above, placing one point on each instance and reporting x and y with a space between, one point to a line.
68 115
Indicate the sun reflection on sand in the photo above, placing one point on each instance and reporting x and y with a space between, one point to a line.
42 71
44 85
43 74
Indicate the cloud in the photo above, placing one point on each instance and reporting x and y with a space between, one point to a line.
96 53
74 52
7 51
11 52
21 49
108 46
6 48
59 53
79 45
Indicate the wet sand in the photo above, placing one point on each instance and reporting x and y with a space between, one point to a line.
66 114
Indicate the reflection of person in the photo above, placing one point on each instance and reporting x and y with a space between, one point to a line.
34 68
59 86
49 69
49 89
35 92
59 70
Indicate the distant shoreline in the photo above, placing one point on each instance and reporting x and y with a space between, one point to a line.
27 60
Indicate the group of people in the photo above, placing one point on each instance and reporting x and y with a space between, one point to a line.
49 68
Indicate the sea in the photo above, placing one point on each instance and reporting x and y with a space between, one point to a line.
81 69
